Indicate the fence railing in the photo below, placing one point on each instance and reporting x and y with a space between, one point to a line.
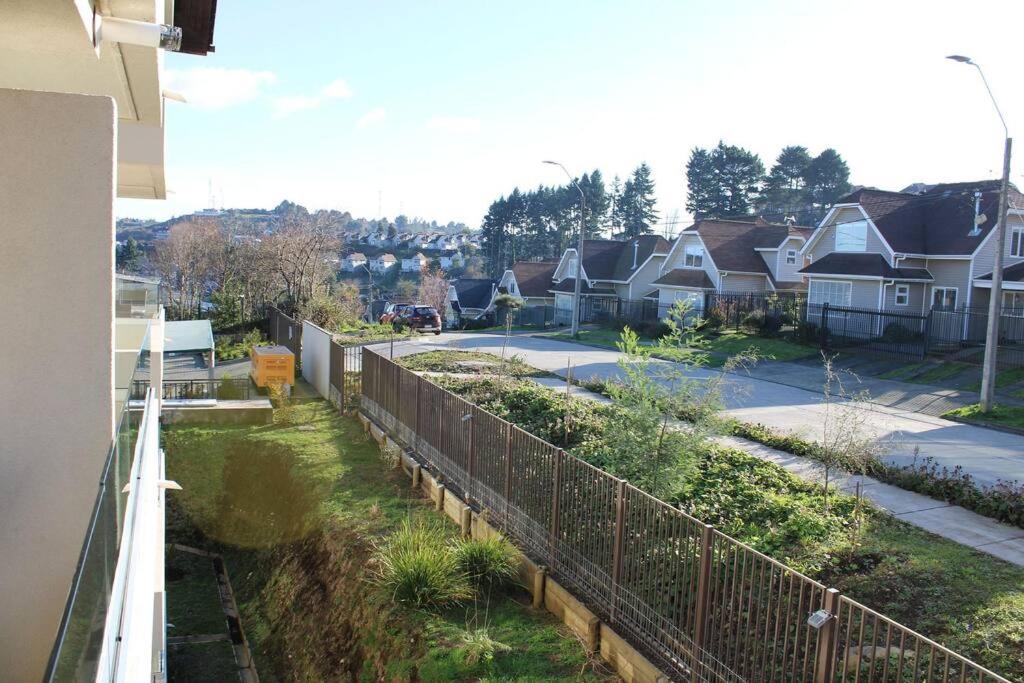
287 332
700 604
898 335
346 372
769 311
225 388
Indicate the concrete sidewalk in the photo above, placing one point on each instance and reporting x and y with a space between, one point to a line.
987 455
942 519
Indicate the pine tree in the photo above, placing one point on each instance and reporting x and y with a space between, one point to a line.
615 213
702 195
129 256
724 182
784 188
638 212
827 179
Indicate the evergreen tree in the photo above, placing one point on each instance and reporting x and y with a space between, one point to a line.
597 203
784 188
615 217
639 214
129 256
724 182
826 179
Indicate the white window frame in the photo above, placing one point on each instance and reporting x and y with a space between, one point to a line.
847 298
902 291
1017 241
956 295
791 257
849 238
1016 297
693 256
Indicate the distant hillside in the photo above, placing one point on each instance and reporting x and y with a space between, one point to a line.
262 221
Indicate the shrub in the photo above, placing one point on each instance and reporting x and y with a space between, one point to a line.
808 333
772 324
419 570
478 646
487 562
652 329
714 317
753 320
897 333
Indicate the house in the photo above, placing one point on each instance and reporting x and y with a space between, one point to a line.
734 256
450 259
420 239
382 263
913 251
353 262
613 271
378 239
470 299
530 281
82 125
443 243
415 264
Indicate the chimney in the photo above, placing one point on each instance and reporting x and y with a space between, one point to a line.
636 249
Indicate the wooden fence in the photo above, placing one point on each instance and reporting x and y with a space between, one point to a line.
700 604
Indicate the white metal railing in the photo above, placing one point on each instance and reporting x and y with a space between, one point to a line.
133 635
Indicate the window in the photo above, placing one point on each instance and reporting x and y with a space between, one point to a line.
1017 242
944 298
852 236
693 256
829 292
1013 304
573 269
791 257
902 295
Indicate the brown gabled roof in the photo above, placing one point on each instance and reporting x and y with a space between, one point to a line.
613 259
686 277
386 257
534 277
863 264
938 220
732 243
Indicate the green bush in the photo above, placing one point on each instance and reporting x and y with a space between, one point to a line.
714 318
753 320
417 569
897 333
652 329
487 562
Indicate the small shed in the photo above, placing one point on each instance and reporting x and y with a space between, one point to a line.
189 336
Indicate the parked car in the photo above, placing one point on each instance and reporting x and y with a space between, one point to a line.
419 318
391 312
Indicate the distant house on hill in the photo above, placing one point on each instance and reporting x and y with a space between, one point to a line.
383 263
353 261
414 264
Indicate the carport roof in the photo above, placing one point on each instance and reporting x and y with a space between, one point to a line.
186 335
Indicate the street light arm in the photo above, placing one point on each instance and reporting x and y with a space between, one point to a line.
992 97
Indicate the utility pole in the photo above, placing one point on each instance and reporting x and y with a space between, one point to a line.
574 330
995 302
369 294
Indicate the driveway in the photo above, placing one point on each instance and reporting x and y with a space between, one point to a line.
987 455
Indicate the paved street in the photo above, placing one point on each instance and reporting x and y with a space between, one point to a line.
986 454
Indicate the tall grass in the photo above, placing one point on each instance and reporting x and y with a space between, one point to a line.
419 571
487 562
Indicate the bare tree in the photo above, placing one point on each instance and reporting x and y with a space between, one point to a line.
433 289
183 260
300 249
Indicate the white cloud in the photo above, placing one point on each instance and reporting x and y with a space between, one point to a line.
218 88
283 106
371 117
337 90
453 124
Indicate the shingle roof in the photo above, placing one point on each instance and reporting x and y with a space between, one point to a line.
568 285
731 243
534 277
474 292
938 220
1014 273
866 264
613 259
686 277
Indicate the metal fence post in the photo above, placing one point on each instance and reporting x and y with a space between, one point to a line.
508 468
555 502
620 520
703 598
341 387
927 334
825 661
823 342
416 431
472 457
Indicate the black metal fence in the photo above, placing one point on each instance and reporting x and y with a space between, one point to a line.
898 335
528 316
223 389
619 312
760 311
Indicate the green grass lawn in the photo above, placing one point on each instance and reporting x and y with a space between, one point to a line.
1000 416
295 510
1004 378
193 604
469 362
202 663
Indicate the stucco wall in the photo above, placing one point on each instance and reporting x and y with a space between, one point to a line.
57 156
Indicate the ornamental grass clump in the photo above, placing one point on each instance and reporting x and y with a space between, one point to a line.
488 562
418 570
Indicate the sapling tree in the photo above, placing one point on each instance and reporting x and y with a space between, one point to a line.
847 441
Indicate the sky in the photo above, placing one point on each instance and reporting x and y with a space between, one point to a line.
434 109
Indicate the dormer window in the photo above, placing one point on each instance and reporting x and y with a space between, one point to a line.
1017 242
791 257
693 256
852 236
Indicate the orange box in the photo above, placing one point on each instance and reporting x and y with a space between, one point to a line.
272 365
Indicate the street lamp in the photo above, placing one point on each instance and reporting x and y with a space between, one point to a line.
574 330
988 380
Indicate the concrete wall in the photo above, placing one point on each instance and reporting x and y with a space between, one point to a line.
316 358
57 160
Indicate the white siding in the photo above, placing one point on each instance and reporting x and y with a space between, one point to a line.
786 272
646 274
743 283
826 243
677 256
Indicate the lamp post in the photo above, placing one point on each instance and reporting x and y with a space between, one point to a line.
574 330
988 380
